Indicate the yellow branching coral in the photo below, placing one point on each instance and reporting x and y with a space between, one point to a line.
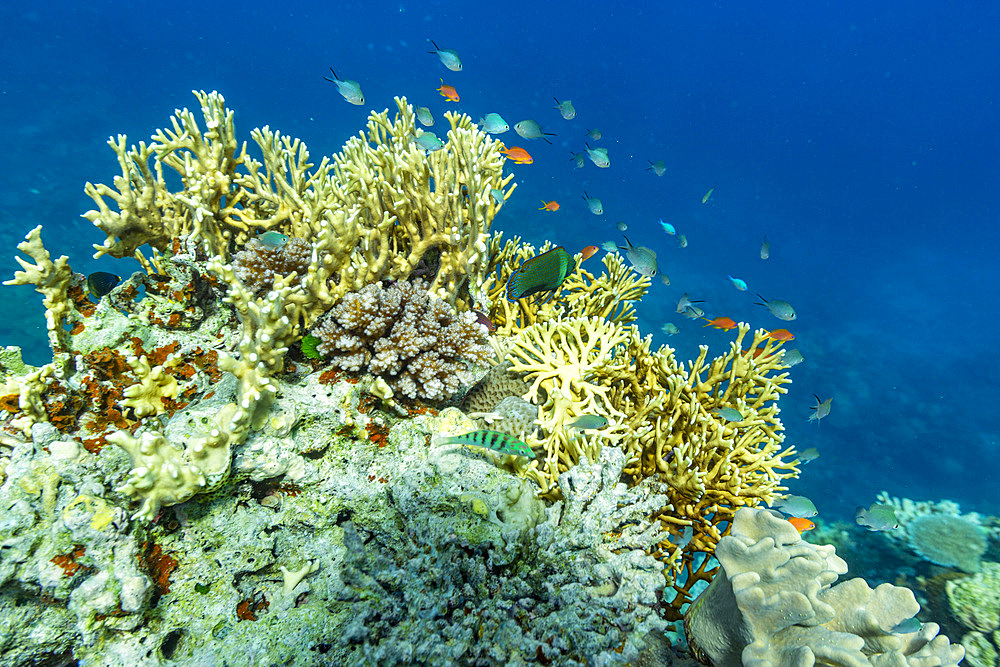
154 384
51 278
664 414
609 295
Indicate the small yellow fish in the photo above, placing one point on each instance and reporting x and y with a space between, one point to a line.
704 200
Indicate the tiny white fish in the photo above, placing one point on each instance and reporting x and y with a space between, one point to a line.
349 90
621 226
449 57
765 249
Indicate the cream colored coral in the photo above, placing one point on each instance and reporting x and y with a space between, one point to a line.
153 386
51 278
773 604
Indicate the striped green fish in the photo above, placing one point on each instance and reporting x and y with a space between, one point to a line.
495 440
541 274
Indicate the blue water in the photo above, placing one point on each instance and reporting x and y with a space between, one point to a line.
861 140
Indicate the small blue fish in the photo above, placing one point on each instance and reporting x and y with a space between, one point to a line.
822 408
530 129
424 116
797 506
577 159
588 422
429 142
349 90
599 156
449 57
498 442
780 309
729 414
594 204
659 167
540 274
565 108
273 239
594 134
493 123
497 195
741 285
668 228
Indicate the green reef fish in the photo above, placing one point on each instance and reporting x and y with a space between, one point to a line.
643 259
424 116
797 506
594 134
565 108
273 239
609 246
877 517
599 156
668 228
765 249
577 159
497 195
529 129
100 283
594 204
449 57
495 440
822 408
542 273
780 309
588 422
493 123
670 329
738 283
808 455
906 627
429 142
659 167
792 357
708 195
349 90
729 414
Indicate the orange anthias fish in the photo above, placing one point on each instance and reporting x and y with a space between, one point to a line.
549 205
517 154
723 323
781 334
588 252
801 525
448 91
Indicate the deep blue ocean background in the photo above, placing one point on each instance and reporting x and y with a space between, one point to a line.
861 139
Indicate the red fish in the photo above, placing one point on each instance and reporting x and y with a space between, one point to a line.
517 154
588 252
448 91
549 205
723 323
801 525
781 334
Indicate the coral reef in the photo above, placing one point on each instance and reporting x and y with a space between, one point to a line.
262 505
774 603
939 532
414 341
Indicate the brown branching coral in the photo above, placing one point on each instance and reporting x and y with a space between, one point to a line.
417 343
257 264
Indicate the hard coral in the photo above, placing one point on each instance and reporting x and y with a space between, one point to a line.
258 263
417 343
